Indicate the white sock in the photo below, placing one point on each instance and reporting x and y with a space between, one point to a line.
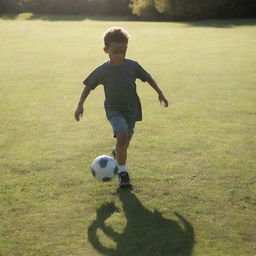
122 168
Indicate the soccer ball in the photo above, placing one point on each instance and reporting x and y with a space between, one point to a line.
104 168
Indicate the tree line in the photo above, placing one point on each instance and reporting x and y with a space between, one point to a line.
73 7
143 9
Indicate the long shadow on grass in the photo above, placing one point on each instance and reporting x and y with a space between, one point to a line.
146 233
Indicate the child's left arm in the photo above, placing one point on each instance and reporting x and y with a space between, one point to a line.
163 100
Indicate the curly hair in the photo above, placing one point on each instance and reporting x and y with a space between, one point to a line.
115 34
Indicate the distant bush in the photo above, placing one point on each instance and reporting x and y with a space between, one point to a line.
10 6
144 9
110 7
55 7
87 7
193 9
190 9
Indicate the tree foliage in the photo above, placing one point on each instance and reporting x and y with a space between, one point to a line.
194 9
87 7
144 9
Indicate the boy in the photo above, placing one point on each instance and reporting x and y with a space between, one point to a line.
122 104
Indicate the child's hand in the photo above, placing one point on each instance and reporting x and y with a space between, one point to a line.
163 100
79 113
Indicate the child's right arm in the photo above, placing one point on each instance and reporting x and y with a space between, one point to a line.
80 110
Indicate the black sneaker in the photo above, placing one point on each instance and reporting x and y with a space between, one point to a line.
114 153
124 180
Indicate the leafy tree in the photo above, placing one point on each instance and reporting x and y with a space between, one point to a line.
145 9
10 6
193 9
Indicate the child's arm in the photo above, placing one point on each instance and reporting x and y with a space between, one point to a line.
163 100
80 110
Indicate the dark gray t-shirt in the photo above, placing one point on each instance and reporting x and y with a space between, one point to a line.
120 88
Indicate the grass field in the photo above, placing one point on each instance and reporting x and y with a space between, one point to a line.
192 165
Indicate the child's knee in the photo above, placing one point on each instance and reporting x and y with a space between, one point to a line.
122 137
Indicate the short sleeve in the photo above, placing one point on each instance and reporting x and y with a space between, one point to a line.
141 73
93 80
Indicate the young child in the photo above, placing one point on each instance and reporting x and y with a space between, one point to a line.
122 104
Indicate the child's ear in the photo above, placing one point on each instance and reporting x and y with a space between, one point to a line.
105 49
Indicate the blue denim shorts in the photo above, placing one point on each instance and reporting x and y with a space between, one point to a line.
120 124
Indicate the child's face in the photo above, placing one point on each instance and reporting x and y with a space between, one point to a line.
116 52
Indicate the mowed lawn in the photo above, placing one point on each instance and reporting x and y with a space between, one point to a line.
192 165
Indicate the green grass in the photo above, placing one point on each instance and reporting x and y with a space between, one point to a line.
192 165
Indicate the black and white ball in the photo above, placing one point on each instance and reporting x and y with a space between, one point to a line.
104 168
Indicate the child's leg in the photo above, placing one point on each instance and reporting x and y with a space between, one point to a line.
123 132
122 144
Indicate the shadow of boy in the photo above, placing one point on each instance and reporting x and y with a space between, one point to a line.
146 233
